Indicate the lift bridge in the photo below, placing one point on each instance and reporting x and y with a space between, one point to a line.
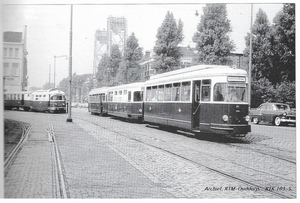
116 33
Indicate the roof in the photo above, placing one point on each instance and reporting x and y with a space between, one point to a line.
196 72
12 37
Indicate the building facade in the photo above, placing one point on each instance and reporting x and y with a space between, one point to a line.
14 62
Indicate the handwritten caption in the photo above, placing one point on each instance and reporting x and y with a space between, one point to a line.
248 188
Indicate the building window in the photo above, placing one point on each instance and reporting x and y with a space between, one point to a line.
15 69
16 52
5 52
6 71
10 52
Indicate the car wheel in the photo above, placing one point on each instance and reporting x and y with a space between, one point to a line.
277 121
255 120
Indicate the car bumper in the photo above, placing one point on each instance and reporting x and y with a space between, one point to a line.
287 120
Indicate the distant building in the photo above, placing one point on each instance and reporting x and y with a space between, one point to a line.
14 61
240 61
149 58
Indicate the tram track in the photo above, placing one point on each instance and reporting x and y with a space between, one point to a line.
252 183
60 185
12 154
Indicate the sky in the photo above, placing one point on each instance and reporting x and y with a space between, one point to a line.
48 28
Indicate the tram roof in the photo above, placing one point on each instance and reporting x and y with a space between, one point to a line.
196 72
98 90
127 86
53 90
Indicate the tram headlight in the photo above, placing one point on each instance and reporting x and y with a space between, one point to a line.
140 110
225 118
247 118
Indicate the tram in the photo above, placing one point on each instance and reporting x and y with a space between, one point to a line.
52 100
124 101
203 98
97 101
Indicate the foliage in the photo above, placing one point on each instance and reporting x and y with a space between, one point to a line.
169 36
285 92
130 68
109 66
212 36
81 85
262 91
282 40
273 57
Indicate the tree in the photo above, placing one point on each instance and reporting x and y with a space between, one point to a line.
262 91
102 73
212 36
261 47
282 41
108 67
169 36
129 70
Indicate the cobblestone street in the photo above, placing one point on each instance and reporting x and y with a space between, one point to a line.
108 158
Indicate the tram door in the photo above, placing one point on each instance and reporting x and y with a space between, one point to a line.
196 104
22 99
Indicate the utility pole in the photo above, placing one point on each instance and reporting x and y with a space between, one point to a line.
250 58
69 119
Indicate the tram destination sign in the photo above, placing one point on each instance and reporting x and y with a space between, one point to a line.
236 79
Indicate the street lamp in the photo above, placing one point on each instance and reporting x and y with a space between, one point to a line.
55 64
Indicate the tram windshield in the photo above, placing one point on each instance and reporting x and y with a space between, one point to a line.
231 92
57 97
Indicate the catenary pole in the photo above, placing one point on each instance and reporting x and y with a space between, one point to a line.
69 119
250 58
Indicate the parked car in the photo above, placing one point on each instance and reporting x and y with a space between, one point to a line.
275 113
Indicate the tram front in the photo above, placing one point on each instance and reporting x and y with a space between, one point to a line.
227 111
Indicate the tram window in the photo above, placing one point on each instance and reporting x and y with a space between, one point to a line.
44 95
160 96
125 92
138 96
120 92
129 96
176 92
110 96
185 91
18 96
167 92
219 92
154 93
148 94
197 92
205 93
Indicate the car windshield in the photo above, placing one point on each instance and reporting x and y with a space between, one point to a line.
236 92
283 107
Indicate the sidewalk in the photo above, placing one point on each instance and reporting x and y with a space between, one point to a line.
91 168
30 175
